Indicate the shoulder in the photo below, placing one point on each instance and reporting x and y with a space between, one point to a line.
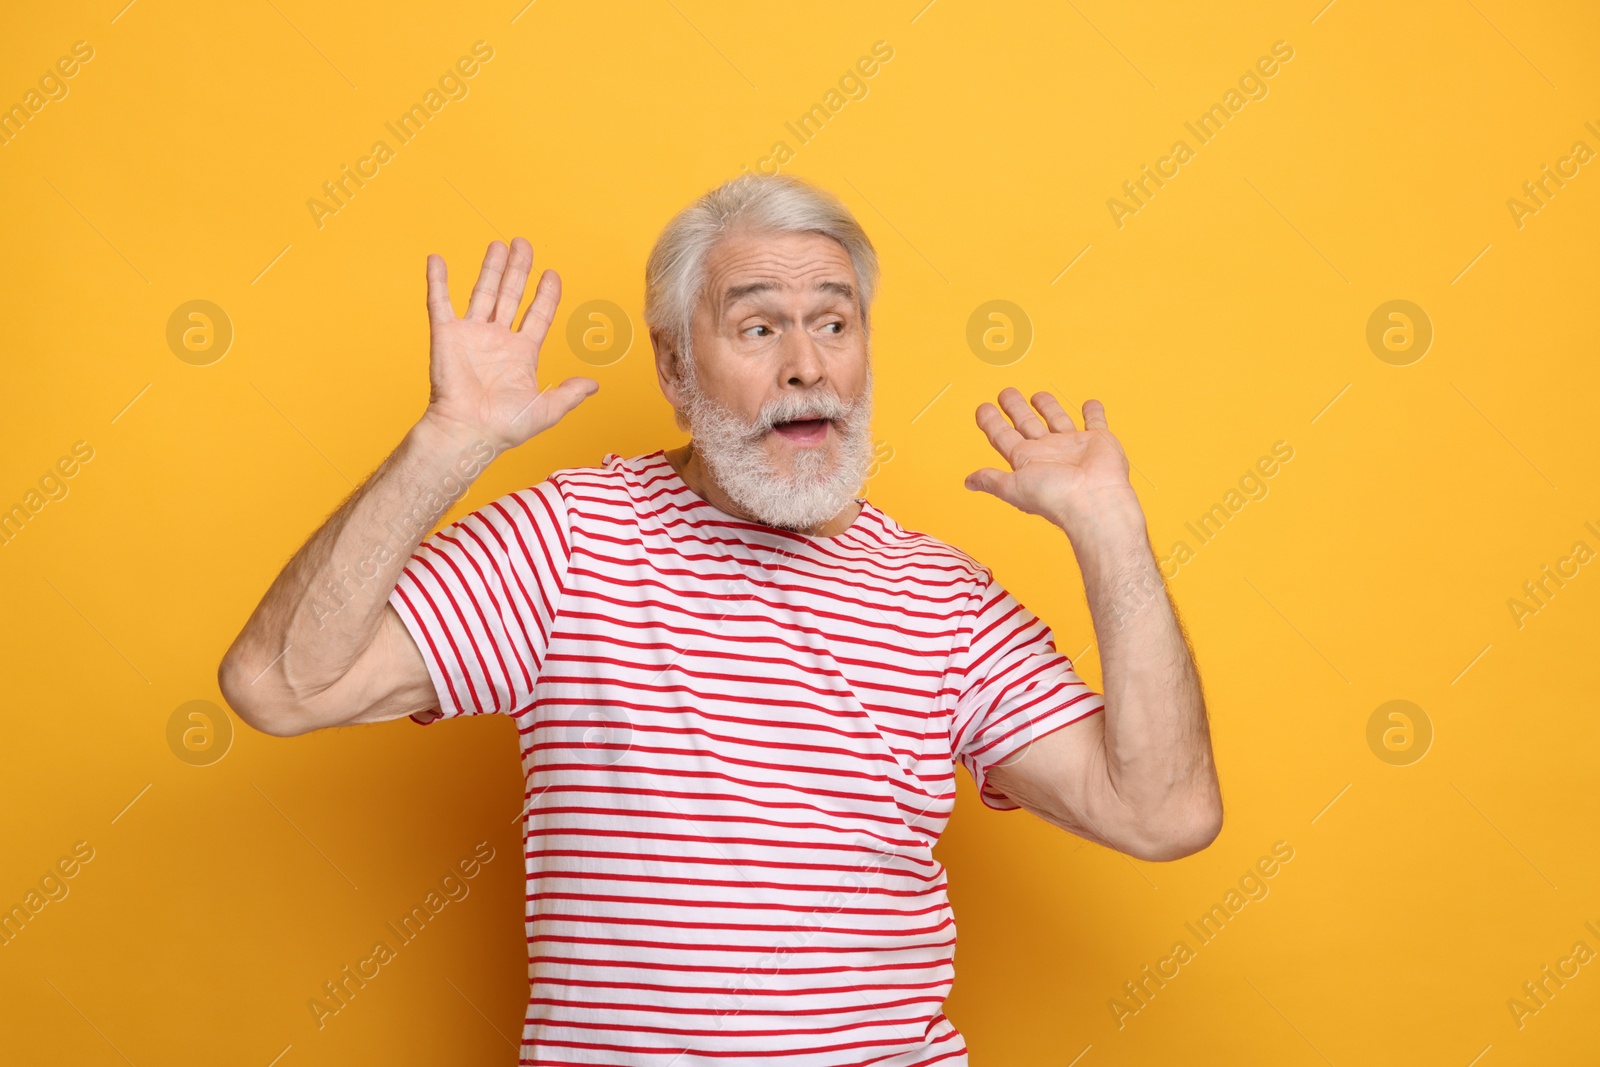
893 543
616 485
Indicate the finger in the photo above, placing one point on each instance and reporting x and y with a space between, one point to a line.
994 482
1058 417
1002 435
483 293
558 400
1094 415
568 395
536 320
513 283
1022 416
439 309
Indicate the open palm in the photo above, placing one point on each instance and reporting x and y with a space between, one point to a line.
1056 469
483 374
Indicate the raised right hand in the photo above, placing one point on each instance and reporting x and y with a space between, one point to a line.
483 374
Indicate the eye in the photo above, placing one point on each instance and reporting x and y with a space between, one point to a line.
836 327
766 328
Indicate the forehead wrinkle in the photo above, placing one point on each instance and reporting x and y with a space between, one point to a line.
734 297
777 268
827 286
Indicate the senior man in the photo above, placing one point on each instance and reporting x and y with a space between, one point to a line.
741 691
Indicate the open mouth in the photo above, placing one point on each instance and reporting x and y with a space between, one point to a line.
803 431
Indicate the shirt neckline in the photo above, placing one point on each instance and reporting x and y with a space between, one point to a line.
695 498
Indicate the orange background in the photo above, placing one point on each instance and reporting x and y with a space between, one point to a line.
1228 313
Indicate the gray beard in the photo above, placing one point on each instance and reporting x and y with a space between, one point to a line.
821 485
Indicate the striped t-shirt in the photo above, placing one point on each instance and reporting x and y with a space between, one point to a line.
740 747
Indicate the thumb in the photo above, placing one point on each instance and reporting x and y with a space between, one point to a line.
568 395
992 481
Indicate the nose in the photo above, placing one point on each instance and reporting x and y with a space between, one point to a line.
802 363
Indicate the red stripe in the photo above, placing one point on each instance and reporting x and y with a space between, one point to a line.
752 784
744 883
452 632
433 649
511 650
758 852
720 860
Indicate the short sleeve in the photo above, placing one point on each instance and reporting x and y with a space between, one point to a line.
1012 687
479 597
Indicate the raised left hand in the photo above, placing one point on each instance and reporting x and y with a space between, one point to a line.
1057 470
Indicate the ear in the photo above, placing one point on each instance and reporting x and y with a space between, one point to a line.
666 366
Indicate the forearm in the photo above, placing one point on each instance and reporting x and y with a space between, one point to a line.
1157 743
325 608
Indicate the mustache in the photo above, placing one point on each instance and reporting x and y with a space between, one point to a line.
822 405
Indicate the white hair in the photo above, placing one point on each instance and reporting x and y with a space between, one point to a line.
823 482
674 275
818 487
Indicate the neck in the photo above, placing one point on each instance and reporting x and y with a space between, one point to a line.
698 477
